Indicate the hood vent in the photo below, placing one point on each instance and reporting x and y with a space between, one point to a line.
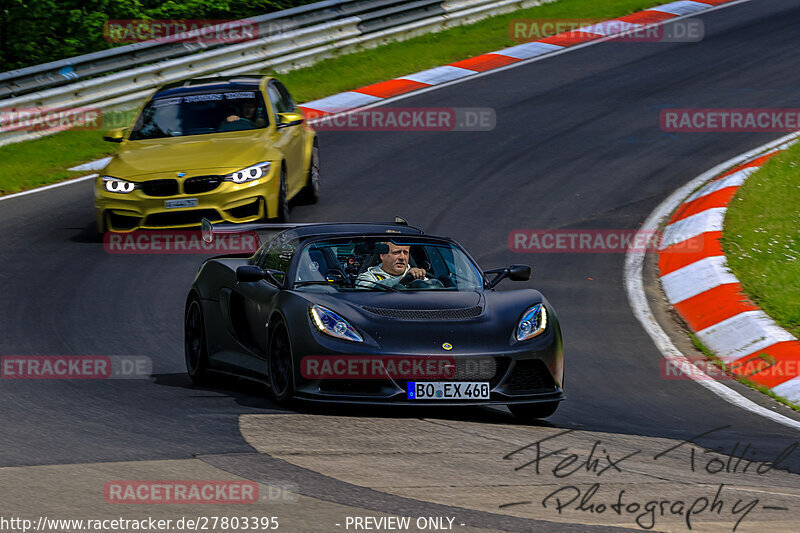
426 314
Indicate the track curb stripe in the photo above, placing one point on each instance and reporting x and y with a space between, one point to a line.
345 102
708 297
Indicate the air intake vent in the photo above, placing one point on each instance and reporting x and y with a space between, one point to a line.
160 187
201 184
427 314
530 376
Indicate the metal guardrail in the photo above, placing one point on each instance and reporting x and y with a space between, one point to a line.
65 71
123 76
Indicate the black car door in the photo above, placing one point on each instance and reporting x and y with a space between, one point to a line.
256 300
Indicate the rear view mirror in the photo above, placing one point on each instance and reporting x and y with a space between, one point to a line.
513 272
363 248
115 136
289 119
519 272
249 273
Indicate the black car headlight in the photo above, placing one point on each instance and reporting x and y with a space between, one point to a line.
117 185
250 173
328 322
532 323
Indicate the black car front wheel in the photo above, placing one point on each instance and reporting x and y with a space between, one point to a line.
533 410
195 343
280 365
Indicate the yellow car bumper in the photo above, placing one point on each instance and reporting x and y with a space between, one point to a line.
153 207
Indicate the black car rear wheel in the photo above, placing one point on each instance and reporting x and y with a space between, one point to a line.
195 343
533 410
280 365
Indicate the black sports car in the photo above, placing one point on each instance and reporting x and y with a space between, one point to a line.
373 313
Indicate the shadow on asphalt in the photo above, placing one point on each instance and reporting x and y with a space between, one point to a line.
254 395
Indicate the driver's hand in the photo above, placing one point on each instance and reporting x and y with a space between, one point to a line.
232 118
417 273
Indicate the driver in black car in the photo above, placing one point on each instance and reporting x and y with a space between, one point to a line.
394 267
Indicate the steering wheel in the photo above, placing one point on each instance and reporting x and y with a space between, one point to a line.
410 282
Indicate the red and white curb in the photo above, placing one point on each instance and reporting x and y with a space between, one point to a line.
350 100
709 298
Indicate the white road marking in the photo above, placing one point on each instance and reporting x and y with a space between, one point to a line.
48 187
696 278
684 7
789 390
743 334
342 101
438 75
733 180
692 226
529 50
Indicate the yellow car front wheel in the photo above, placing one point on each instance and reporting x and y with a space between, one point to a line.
283 200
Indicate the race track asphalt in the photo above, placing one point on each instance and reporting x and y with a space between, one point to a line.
577 144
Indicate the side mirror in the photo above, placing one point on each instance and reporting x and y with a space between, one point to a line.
513 272
249 273
519 272
289 119
115 136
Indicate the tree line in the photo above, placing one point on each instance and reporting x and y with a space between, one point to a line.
38 31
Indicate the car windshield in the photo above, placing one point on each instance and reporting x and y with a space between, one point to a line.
378 264
197 114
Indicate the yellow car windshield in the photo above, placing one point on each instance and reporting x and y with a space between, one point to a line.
198 114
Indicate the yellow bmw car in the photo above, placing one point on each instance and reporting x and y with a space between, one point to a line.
226 149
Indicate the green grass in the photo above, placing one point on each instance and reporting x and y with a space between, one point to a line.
761 238
43 161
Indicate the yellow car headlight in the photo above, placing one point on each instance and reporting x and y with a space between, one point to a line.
250 173
120 186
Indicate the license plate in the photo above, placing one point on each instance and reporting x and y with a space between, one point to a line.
182 202
448 390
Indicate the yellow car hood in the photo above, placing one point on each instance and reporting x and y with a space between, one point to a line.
228 151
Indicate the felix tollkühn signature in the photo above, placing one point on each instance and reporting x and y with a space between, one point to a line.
646 512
